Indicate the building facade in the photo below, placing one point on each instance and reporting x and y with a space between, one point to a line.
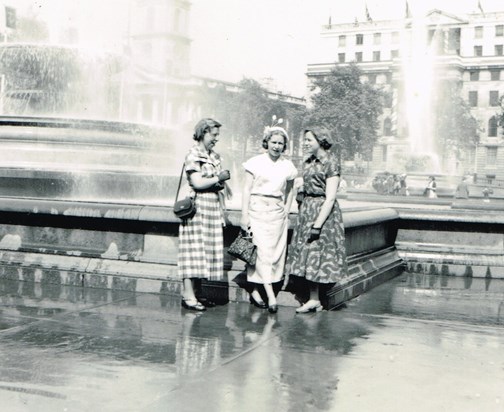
399 55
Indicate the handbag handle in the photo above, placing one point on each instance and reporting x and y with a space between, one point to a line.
180 182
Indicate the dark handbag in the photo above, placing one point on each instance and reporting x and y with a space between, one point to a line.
186 208
243 248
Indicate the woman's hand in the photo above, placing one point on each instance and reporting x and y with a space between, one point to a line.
245 223
314 234
223 176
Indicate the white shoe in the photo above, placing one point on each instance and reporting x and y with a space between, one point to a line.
310 306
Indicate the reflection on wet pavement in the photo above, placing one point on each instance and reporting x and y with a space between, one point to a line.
417 343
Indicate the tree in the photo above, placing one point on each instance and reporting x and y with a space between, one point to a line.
500 116
349 108
455 128
246 112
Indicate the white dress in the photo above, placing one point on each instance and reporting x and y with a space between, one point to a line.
268 217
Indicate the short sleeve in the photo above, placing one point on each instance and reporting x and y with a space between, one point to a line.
252 165
333 167
292 172
192 163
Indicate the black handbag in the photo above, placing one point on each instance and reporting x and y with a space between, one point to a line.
243 248
186 208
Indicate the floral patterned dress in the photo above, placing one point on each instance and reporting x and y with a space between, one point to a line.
324 260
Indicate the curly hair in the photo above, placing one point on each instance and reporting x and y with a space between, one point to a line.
203 126
273 131
322 135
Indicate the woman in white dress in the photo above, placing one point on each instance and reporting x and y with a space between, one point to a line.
267 197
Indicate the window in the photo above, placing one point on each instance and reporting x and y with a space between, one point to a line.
377 38
341 57
342 41
478 50
376 56
395 37
491 155
499 30
474 76
359 39
430 35
384 153
493 98
454 40
495 74
358 57
498 49
388 78
492 127
490 179
473 99
387 127
394 54
372 78
478 32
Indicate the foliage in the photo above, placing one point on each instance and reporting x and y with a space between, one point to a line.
246 112
40 76
30 30
349 108
455 128
418 163
500 116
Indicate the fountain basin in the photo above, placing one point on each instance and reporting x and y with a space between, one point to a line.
134 247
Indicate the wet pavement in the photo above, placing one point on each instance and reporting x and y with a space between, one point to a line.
416 343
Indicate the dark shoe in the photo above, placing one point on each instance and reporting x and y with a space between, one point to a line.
193 305
207 303
273 308
260 305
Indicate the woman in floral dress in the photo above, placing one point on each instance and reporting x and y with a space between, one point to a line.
317 250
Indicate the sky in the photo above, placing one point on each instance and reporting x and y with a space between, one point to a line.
233 39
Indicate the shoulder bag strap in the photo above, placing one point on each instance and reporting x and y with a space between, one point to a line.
180 182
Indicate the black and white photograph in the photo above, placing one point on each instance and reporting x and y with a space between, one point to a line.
251 206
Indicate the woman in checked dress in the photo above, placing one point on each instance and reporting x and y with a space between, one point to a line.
201 249
317 250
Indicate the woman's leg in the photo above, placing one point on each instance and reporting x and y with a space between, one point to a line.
268 287
313 304
256 296
272 302
189 300
188 289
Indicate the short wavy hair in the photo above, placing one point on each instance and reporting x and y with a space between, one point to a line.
322 135
272 131
203 126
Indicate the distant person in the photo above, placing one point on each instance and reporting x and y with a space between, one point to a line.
403 191
267 197
487 191
430 190
342 186
397 185
316 254
390 185
201 244
462 190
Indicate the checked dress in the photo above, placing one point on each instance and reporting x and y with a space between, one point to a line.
201 245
